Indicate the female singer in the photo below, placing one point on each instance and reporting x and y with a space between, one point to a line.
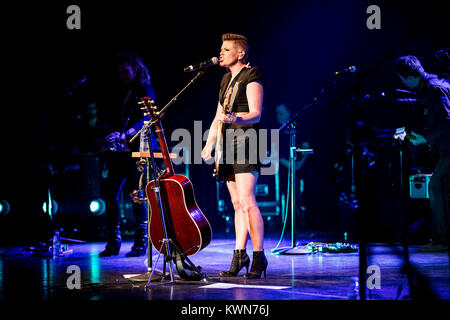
242 90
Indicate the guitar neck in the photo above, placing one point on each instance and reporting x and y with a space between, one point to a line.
164 149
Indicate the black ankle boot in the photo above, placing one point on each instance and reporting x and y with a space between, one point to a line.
140 245
138 249
113 246
240 260
259 265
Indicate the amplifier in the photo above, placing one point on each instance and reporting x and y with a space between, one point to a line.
418 186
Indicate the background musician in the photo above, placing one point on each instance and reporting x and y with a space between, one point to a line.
434 95
126 118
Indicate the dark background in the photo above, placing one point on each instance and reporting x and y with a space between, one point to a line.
298 44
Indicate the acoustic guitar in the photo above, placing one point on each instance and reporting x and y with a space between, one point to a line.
186 225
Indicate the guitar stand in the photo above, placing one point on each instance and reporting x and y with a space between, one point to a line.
167 243
180 263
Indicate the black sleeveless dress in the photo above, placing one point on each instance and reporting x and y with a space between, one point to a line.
240 140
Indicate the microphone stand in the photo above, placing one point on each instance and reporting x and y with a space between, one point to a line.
293 150
48 207
161 113
166 241
357 174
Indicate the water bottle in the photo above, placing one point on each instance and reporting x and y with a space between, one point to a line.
353 290
143 146
56 244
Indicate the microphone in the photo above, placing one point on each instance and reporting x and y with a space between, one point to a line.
349 69
202 65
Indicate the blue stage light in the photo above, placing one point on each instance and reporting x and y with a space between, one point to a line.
4 208
97 207
53 207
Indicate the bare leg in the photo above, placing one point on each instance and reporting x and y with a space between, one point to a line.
246 185
240 219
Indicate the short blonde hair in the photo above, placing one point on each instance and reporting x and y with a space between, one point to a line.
240 41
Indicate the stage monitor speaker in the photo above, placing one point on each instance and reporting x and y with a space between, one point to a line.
418 186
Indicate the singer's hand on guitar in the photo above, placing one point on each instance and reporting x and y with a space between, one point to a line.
417 139
227 117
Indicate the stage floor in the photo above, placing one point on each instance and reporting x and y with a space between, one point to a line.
318 276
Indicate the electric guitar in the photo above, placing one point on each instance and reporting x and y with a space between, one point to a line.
219 155
113 143
400 133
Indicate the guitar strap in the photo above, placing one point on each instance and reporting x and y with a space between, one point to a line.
226 101
234 89
218 156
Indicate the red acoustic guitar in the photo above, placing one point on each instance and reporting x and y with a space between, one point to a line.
185 223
